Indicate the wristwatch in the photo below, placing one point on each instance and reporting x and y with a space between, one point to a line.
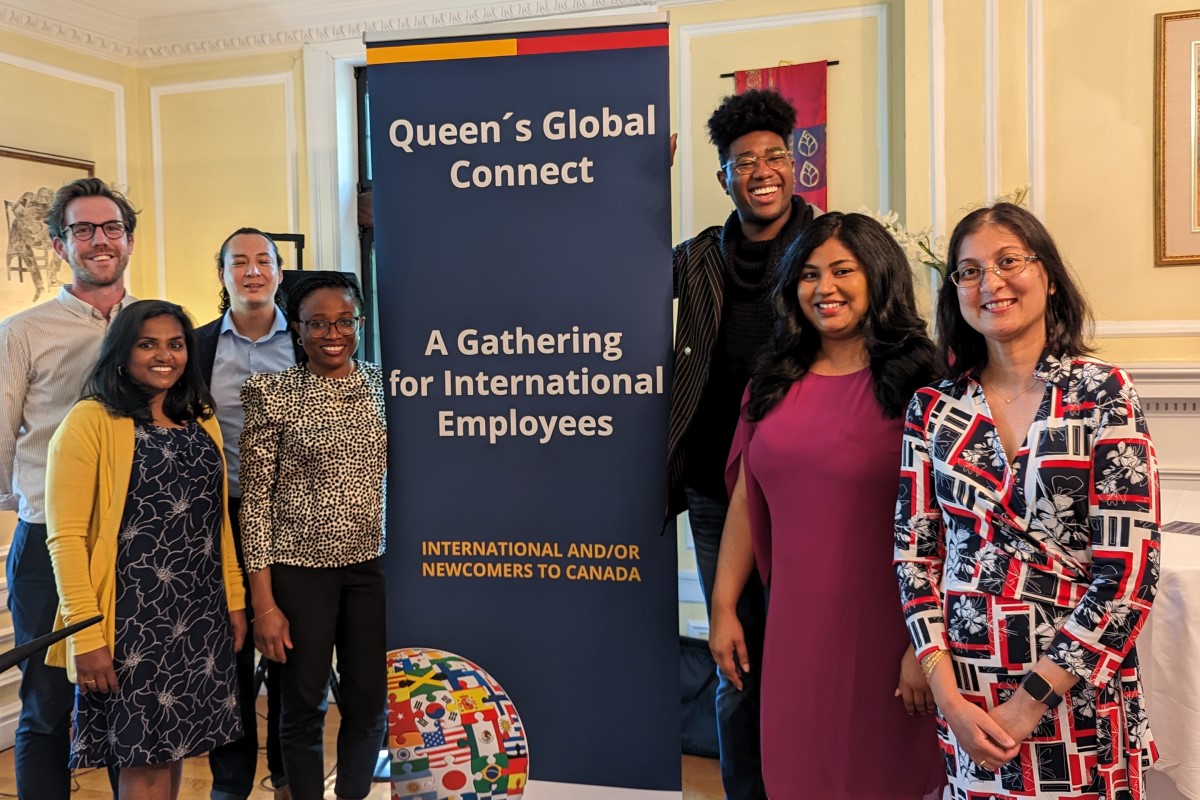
1040 689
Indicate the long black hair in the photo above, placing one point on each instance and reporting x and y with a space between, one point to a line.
110 384
901 355
961 348
325 279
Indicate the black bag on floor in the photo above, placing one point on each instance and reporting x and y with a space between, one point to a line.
698 684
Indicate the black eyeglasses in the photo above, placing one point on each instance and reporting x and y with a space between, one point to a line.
776 159
346 326
1006 266
84 231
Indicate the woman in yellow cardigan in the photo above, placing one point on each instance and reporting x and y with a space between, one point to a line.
139 532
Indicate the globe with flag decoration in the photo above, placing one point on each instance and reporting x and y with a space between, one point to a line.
452 730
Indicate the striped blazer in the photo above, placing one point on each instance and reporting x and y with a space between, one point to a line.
698 271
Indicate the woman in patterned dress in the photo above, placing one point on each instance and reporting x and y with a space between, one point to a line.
314 461
1027 546
139 531
844 703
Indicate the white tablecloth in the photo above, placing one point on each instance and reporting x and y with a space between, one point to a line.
1169 649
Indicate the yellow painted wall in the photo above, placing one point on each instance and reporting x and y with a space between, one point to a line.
223 162
1099 148
1100 157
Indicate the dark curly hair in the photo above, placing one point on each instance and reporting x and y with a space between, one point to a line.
754 110
223 305
901 355
325 279
962 349
56 217
110 384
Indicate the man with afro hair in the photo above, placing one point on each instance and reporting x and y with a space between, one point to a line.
723 279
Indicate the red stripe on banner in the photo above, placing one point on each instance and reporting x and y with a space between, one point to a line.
581 42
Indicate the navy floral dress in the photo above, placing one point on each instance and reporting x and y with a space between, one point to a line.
173 653
1055 554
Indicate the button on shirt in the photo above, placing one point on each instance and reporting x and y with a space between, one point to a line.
237 358
46 356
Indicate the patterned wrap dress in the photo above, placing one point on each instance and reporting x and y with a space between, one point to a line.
173 653
1055 553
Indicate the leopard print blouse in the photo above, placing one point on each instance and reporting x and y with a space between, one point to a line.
314 468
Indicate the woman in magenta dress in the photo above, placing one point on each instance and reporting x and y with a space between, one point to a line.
845 708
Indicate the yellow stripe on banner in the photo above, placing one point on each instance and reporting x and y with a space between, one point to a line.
442 52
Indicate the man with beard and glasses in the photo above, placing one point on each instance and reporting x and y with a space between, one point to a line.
46 354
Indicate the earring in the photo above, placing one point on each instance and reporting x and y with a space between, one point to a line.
300 340
121 370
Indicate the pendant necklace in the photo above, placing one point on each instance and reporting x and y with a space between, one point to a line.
1008 400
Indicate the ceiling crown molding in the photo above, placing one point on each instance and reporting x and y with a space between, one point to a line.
190 37
56 32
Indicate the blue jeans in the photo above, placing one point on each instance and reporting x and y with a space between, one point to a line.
47 697
737 711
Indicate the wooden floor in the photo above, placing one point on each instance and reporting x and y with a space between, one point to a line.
701 778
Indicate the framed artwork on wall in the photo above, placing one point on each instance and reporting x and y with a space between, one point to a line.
1177 138
28 181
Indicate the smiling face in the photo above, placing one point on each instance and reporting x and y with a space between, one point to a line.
98 261
763 198
329 355
250 272
1010 311
833 292
159 355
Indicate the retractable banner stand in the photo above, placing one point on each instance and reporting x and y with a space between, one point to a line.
521 195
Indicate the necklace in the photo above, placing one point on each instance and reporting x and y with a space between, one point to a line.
1008 400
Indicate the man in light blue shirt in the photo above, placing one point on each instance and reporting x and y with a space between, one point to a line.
250 336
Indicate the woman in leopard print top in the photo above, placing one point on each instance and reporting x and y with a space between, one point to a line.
314 460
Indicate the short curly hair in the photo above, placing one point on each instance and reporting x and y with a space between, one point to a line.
754 110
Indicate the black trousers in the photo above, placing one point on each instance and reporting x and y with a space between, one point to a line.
332 609
233 765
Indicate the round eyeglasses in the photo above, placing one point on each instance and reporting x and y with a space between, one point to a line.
743 165
346 326
1006 266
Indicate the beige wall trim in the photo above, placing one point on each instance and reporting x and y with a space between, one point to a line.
190 37
687 33
1036 113
1186 479
118 93
158 92
1147 328
937 118
333 152
991 98
8 722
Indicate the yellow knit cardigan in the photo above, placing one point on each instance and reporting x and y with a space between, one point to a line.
87 480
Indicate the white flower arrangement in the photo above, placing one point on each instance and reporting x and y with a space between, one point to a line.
923 250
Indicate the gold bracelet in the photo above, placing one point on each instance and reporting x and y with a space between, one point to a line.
931 661
268 611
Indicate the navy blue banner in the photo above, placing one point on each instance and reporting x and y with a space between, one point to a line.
522 212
